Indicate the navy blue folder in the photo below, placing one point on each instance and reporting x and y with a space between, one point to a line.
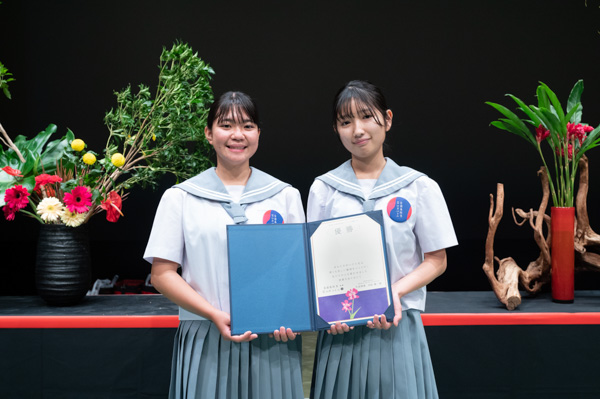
271 280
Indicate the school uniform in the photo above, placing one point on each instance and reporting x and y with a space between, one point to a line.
394 363
190 229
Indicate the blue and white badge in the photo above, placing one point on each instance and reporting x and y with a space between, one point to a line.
272 217
399 209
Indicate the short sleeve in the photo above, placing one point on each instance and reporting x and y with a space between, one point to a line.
434 226
315 208
166 238
295 209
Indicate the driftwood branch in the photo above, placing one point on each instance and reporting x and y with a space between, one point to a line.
505 285
9 143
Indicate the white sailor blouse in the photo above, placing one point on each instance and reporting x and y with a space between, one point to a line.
416 218
190 226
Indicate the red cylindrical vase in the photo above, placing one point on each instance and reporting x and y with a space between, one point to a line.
563 254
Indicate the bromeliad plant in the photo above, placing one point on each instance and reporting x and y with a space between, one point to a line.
567 137
149 136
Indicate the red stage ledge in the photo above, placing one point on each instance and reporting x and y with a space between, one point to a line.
429 319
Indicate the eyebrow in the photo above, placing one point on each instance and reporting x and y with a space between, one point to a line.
229 120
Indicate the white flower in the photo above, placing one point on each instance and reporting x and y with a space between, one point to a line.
50 209
72 219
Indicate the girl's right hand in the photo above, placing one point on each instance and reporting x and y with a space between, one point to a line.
223 322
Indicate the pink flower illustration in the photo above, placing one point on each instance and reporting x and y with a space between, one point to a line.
352 294
346 306
349 306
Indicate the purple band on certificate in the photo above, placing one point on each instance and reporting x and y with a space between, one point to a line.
365 304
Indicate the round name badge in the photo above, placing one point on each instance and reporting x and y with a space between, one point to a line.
272 217
399 209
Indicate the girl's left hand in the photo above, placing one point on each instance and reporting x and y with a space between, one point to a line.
284 334
379 322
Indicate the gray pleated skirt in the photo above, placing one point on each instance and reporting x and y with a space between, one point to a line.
369 363
207 366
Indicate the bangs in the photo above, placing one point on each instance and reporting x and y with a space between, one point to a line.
363 101
235 106
235 112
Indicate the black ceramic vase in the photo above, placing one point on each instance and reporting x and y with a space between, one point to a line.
62 267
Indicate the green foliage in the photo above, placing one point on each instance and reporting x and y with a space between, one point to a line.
5 77
163 133
567 148
40 156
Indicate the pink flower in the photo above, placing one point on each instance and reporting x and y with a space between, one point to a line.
352 293
16 197
588 128
112 206
78 200
541 133
12 172
346 306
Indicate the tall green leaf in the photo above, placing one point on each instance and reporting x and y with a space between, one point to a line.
574 99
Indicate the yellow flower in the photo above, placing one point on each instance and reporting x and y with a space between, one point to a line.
89 158
72 219
153 137
118 160
77 144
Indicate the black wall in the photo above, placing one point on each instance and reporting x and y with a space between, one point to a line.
437 61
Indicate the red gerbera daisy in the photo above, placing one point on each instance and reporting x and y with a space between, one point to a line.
78 200
112 206
16 197
43 179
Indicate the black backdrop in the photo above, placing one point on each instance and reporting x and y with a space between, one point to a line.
437 62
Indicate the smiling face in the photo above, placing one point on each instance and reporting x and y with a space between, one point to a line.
235 139
362 131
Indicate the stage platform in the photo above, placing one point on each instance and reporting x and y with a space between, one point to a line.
119 346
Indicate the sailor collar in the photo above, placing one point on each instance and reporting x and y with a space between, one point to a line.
207 185
392 179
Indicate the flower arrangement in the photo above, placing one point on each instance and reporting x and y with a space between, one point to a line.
349 306
567 137
65 182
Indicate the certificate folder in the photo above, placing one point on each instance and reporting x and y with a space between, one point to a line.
306 276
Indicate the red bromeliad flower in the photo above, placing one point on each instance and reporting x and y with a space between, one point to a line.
541 133
577 131
78 200
12 172
112 205
562 151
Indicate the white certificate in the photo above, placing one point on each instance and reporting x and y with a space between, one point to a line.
351 280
